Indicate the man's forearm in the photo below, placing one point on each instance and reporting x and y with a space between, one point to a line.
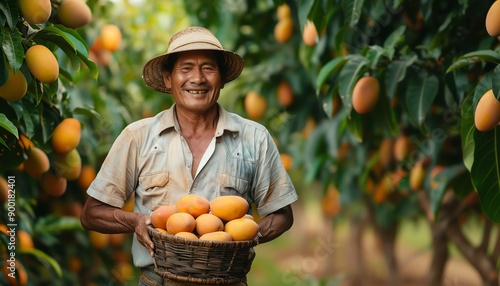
275 224
107 219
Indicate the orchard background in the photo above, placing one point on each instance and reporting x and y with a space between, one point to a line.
413 168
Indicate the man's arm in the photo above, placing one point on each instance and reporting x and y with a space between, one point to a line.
101 217
275 224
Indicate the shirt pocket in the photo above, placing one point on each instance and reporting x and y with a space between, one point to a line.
233 185
154 190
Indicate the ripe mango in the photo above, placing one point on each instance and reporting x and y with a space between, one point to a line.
53 184
185 234
74 13
68 165
15 87
35 11
66 135
110 37
216 236
193 204
417 176
309 34
206 223
229 207
160 216
492 23
365 94
180 221
283 30
37 162
487 114
255 105
242 229
42 63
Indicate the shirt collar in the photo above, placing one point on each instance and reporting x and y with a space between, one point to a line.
226 122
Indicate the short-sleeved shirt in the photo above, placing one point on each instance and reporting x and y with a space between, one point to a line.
151 159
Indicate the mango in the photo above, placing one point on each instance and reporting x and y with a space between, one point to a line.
193 204
216 236
206 223
229 207
180 221
242 229
74 13
35 11
365 94
15 87
42 63
487 114
66 135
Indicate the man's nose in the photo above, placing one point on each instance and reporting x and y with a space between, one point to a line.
198 76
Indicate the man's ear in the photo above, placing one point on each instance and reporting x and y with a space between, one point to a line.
166 80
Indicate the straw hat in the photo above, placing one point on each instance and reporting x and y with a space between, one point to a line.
189 39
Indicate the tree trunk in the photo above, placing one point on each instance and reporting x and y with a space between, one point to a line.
439 255
359 271
477 258
387 238
439 241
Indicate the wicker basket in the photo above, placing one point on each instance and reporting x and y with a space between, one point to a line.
200 261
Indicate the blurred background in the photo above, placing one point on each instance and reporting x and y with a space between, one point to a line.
398 185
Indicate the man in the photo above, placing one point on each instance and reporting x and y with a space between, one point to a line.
193 147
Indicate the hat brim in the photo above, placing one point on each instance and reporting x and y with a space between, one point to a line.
153 70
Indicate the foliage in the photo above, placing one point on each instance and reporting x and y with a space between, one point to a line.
433 60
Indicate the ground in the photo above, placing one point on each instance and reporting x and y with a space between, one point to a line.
315 248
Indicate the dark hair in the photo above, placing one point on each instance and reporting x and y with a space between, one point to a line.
168 65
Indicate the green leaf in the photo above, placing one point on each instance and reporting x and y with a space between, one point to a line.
467 131
495 81
352 10
69 36
10 11
395 38
327 70
485 171
373 55
349 75
12 47
6 124
71 43
88 111
419 97
355 126
396 72
94 71
474 57
443 179
44 258
52 223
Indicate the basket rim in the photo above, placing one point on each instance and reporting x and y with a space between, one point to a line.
195 242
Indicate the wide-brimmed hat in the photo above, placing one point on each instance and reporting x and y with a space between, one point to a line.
190 39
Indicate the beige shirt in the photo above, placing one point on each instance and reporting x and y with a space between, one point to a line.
151 158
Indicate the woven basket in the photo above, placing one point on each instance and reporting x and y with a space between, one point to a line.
200 261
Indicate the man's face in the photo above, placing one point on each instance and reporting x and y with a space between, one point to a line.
195 80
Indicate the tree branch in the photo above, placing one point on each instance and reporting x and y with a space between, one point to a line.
483 247
496 249
477 259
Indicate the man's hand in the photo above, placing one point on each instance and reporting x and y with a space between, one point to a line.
141 230
104 218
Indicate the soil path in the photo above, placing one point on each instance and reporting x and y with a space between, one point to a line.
319 250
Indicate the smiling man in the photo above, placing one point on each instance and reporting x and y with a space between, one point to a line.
194 147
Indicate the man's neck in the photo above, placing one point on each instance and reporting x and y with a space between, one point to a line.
195 124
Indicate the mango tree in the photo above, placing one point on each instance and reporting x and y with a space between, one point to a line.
63 100
405 144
